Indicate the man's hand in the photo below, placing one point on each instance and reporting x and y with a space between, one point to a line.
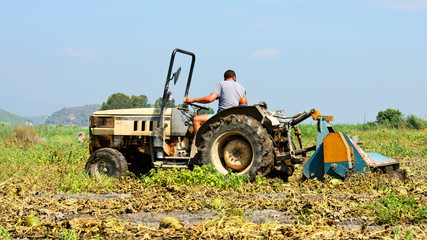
189 100
208 99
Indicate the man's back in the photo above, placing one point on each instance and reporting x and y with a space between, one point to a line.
229 92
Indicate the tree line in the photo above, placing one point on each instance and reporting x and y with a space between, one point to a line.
395 119
123 101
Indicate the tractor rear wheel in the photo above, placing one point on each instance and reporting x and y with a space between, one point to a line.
240 144
107 161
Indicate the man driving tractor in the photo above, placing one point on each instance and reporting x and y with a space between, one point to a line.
228 93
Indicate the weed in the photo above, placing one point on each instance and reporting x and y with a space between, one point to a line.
409 235
68 235
78 181
5 130
26 135
394 209
4 234
199 175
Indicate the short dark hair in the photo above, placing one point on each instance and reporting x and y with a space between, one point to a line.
229 74
263 104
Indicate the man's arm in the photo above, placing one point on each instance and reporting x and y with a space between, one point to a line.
207 99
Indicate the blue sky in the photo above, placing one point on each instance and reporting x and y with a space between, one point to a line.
349 59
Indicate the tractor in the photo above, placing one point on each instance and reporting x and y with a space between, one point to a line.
245 139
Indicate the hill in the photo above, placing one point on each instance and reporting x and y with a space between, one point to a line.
37 120
10 118
77 116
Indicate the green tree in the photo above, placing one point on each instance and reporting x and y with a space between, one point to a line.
117 101
392 117
140 101
170 104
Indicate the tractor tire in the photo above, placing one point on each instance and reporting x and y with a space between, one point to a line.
240 144
107 161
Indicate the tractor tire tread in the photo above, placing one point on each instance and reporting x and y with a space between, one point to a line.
263 143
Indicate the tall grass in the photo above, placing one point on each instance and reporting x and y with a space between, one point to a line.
415 122
54 163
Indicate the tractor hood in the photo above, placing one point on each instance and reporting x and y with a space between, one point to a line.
131 112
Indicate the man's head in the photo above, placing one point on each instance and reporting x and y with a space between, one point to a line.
263 105
229 74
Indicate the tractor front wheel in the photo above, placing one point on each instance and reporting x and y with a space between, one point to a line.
240 144
107 161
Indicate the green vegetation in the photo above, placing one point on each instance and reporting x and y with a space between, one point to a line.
68 235
170 104
390 116
33 171
199 175
122 101
415 122
45 154
394 118
140 101
394 208
26 135
12 119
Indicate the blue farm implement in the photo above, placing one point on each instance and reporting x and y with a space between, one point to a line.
339 156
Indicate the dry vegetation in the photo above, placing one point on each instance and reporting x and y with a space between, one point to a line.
45 181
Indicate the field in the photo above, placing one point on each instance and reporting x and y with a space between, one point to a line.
46 193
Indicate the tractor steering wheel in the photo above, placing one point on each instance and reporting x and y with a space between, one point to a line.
197 107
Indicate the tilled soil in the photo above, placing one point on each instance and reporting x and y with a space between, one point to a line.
271 210
257 216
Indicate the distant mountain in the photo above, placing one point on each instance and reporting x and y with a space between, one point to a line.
10 118
37 120
77 116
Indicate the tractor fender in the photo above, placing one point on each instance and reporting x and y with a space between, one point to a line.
254 111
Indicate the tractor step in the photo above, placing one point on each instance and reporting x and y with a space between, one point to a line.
170 164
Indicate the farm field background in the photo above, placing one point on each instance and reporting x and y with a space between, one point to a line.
42 175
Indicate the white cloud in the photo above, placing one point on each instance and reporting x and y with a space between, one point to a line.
266 53
76 53
404 4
